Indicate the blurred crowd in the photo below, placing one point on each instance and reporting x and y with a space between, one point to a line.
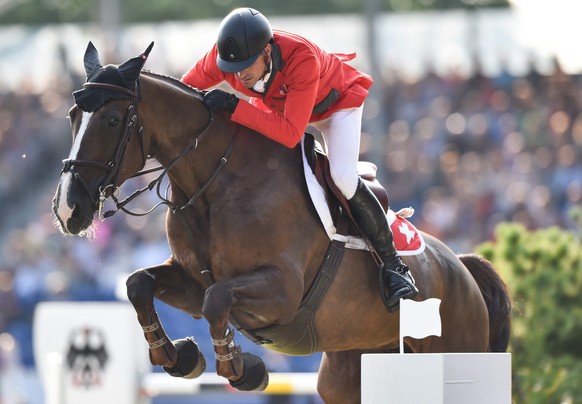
465 152
470 152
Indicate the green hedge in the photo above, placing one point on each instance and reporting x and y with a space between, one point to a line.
543 270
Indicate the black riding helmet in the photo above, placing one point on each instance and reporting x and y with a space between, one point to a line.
242 36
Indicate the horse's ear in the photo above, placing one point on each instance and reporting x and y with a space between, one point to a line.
91 59
130 69
146 53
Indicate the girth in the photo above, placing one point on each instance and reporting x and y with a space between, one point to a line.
299 336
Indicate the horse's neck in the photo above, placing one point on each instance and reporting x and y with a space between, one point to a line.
171 117
255 167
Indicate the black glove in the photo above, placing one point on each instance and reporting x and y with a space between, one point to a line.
220 100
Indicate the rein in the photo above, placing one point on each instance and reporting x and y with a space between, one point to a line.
157 182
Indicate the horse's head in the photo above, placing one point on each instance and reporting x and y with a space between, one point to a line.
105 128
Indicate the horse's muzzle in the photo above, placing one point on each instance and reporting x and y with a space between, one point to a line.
74 215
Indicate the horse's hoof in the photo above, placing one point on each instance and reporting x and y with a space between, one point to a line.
255 376
191 362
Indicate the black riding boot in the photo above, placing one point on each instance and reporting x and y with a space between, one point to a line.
396 282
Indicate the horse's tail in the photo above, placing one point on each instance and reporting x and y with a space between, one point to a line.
497 299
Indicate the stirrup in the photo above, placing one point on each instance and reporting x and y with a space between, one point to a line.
392 303
404 273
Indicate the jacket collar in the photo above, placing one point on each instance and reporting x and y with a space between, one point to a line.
278 64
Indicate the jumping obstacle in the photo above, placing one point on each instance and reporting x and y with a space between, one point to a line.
95 352
435 378
448 378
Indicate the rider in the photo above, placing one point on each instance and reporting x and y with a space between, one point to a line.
292 82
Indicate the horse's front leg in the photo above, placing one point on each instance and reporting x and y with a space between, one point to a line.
261 294
168 283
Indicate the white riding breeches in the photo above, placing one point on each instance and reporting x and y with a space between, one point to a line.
341 132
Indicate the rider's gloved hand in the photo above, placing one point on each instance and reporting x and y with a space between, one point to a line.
220 100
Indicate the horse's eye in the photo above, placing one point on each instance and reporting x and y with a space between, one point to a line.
113 121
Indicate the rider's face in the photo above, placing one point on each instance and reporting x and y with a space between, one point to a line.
257 70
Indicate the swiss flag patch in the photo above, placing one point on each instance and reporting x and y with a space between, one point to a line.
407 238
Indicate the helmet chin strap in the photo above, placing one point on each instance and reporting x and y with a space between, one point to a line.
261 83
267 60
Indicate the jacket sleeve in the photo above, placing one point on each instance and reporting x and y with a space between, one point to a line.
288 126
205 73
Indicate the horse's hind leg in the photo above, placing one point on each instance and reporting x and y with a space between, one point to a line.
168 283
339 377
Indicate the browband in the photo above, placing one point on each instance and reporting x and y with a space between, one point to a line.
112 87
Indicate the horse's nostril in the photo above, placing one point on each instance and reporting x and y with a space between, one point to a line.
78 219
76 210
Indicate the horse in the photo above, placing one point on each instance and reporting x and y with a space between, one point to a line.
248 249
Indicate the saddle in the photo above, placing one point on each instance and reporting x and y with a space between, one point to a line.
336 201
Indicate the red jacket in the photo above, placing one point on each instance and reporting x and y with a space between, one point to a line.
306 85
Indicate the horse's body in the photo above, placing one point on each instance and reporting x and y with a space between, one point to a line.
256 228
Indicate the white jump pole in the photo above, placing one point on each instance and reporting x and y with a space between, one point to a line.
54 387
290 383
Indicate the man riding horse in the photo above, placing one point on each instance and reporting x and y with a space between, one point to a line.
291 83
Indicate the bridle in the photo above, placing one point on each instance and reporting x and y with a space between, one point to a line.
112 167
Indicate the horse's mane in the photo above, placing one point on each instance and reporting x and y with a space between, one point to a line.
174 82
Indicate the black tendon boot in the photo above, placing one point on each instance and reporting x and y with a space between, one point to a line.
396 282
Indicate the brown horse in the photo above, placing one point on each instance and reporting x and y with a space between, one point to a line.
247 244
